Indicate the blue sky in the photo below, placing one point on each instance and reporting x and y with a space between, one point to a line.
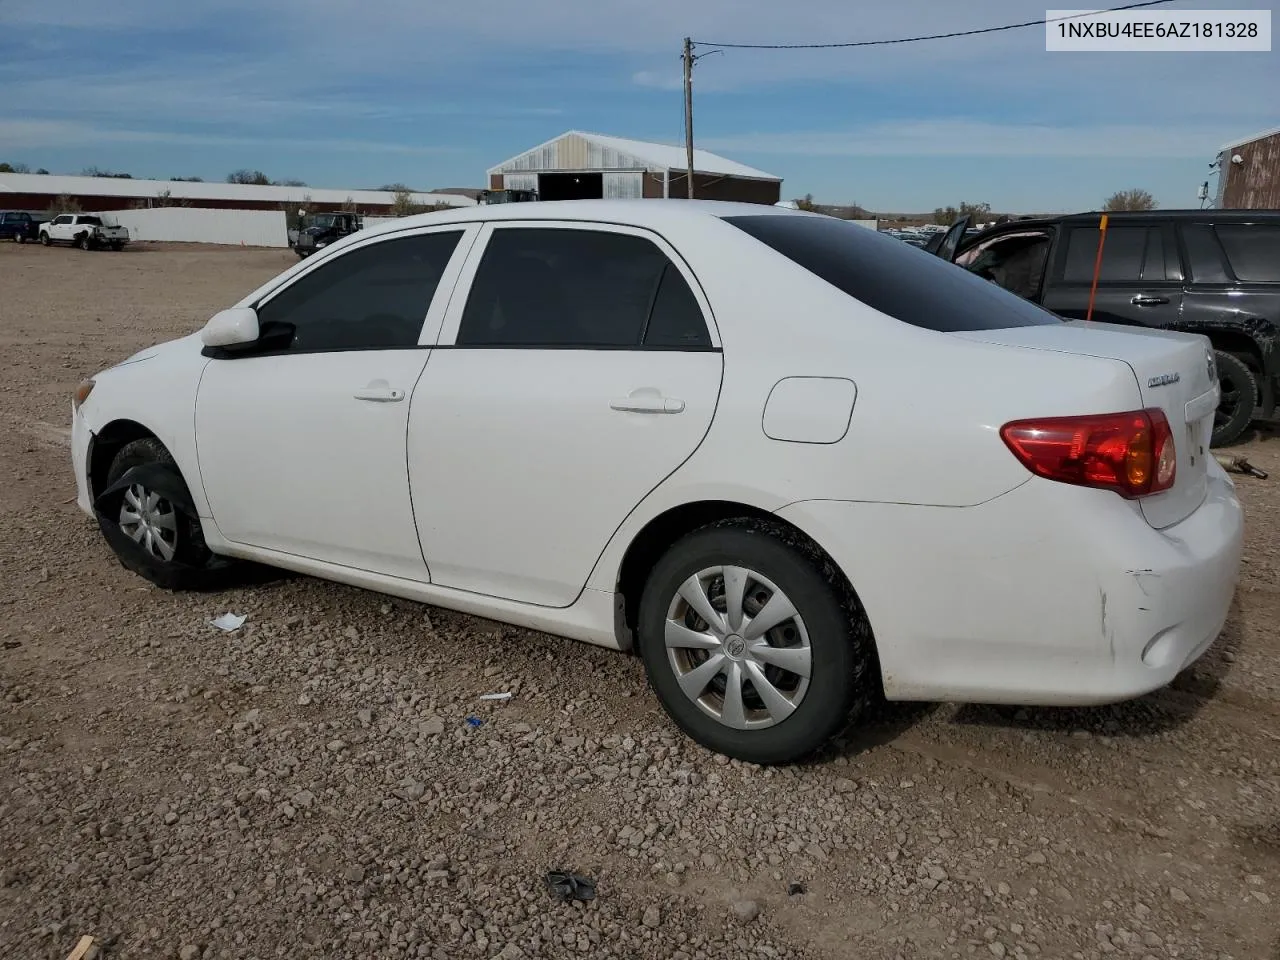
344 94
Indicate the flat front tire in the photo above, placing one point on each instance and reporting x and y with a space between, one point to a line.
753 642
175 554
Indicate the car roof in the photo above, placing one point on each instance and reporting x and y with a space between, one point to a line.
654 214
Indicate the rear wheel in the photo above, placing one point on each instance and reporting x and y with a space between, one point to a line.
44 239
85 242
1239 397
753 643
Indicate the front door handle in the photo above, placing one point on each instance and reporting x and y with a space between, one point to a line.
1141 301
379 393
647 403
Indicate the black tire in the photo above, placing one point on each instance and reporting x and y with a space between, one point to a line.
842 648
44 239
193 566
117 247
19 238
85 242
1239 387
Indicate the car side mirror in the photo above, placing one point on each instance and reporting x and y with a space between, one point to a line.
229 328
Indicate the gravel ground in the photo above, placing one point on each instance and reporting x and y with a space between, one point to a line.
310 785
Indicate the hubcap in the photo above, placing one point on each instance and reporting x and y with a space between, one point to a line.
738 647
149 520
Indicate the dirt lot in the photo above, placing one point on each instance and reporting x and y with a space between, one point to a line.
310 785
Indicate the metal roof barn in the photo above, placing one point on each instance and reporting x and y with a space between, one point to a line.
34 191
582 166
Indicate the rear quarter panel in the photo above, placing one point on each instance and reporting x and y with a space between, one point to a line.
929 406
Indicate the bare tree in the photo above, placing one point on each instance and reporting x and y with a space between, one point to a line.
403 204
255 177
14 168
1134 199
99 172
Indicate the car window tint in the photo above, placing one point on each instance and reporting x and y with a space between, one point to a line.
676 320
897 279
539 287
375 297
1204 254
1253 250
92 221
1122 254
1153 259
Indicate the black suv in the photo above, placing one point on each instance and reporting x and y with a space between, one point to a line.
1212 272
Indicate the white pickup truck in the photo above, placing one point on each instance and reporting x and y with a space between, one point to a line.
84 230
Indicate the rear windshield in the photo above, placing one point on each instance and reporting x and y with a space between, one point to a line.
893 277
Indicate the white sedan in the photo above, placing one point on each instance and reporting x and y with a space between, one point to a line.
791 462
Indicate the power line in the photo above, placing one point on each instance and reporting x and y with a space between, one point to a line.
934 36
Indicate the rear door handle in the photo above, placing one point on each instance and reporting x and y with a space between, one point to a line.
1141 301
647 403
379 393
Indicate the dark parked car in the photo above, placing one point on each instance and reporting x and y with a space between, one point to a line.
323 229
1212 272
18 225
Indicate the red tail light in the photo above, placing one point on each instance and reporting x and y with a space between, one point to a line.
1130 453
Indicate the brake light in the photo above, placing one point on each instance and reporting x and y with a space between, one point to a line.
1130 453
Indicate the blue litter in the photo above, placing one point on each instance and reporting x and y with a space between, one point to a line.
474 721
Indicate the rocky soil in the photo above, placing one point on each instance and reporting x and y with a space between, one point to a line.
326 782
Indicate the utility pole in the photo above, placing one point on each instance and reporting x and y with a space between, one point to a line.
688 111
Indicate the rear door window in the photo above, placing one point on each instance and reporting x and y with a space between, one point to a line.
890 276
1253 249
547 287
1204 254
1130 254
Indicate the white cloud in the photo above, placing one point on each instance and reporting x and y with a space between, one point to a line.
978 138
28 134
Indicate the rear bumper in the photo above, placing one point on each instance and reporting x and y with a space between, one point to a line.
1048 595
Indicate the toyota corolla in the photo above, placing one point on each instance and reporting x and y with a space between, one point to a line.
790 462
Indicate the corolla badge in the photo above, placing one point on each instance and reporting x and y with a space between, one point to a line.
1163 380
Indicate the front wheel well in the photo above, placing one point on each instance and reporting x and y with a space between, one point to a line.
104 447
659 534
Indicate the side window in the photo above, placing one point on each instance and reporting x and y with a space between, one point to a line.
676 319
372 298
1125 255
1253 249
540 287
1204 253
63 219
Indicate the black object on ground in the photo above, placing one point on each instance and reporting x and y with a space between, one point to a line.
570 886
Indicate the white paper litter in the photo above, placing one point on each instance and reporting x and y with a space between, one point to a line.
229 622
496 696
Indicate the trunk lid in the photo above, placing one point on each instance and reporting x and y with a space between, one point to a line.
1175 372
